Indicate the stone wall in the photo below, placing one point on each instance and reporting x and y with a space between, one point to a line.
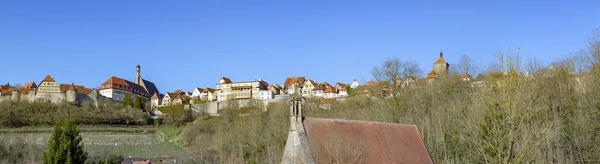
213 108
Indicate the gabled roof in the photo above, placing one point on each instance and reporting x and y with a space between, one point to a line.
341 85
311 82
432 74
371 142
325 84
331 90
30 85
48 78
290 81
199 89
206 90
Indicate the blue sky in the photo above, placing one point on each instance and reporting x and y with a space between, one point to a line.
187 44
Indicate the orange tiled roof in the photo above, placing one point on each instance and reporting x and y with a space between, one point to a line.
124 85
325 84
208 90
342 85
290 81
5 89
440 60
432 75
72 87
80 89
30 85
331 90
154 96
48 79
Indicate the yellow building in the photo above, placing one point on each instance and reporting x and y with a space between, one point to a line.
240 90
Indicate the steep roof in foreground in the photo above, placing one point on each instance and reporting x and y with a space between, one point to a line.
370 142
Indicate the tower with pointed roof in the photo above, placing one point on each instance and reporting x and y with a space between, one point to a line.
441 66
71 93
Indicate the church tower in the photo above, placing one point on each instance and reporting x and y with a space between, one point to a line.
138 77
441 66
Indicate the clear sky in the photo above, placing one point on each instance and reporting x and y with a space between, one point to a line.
187 44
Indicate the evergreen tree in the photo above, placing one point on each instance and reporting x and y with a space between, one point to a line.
65 144
137 102
127 102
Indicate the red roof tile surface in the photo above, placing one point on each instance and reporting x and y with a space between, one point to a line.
432 75
373 142
48 78
124 85
290 81
30 85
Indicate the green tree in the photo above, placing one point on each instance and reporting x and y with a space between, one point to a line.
137 103
65 144
127 101
350 90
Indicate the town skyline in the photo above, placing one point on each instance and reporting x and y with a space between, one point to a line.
183 45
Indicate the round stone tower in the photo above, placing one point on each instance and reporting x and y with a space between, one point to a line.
72 93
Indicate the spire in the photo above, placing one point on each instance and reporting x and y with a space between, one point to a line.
441 54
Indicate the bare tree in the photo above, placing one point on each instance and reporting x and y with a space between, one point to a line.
391 68
534 65
594 46
465 64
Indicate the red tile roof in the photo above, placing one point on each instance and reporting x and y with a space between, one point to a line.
340 85
331 90
124 85
290 81
48 78
30 85
80 89
206 90
370 142
72 87
440 60
432 75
